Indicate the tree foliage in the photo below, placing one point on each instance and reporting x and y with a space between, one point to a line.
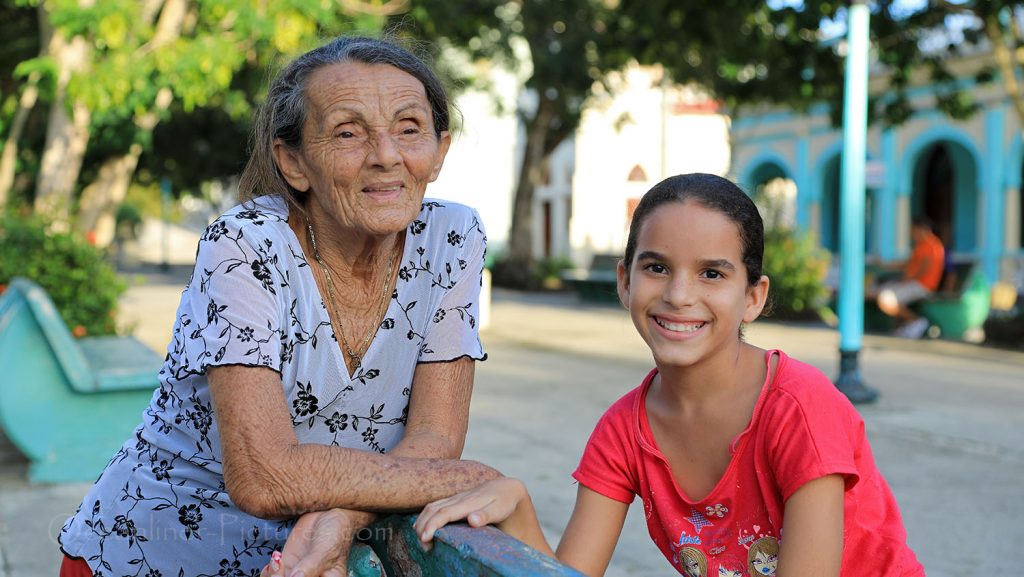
140 63
792 53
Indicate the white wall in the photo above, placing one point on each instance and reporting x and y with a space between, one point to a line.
640 123
480 169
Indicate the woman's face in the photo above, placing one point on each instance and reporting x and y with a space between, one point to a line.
369 148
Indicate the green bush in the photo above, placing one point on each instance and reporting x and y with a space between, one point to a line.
797 267
81 282
547 272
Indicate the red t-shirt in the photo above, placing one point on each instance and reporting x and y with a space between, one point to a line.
802 429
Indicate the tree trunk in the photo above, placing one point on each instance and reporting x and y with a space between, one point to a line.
9 159
100 199
98 205
67 130
96 211
517 267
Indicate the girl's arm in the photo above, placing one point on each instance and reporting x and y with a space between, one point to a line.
812 533
586 545
593 530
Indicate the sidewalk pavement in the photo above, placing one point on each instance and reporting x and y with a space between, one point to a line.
946 431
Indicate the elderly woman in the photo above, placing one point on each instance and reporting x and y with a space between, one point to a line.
322 360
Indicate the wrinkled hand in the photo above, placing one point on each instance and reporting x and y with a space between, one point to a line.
318 546
493 503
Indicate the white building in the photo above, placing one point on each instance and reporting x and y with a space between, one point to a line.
629 139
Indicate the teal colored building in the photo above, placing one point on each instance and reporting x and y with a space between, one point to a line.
964 175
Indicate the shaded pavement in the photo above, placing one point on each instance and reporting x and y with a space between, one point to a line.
946 431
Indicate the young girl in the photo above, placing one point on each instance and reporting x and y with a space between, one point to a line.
748 462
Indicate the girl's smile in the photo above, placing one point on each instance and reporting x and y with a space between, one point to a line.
678 329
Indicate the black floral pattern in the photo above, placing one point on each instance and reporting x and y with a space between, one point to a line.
161 507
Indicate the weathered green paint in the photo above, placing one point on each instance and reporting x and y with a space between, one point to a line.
67 404
458 550
959 313
363 562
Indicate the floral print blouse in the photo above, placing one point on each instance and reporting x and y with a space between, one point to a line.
160 507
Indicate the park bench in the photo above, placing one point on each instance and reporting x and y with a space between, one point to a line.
596 283
459 550
955 314
960 313
67 404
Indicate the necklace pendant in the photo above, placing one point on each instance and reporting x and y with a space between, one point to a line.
356 360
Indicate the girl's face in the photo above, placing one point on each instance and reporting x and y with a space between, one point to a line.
687 288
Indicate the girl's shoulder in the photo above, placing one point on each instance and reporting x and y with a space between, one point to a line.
805 385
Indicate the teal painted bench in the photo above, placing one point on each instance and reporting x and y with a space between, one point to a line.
67 404
959 315
458 551
956 314
598 282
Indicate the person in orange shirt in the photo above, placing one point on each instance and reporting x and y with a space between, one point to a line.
921 277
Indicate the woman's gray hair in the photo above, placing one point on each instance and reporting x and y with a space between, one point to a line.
283 114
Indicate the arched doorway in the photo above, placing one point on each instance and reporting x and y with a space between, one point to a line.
830 202
945 190
774 192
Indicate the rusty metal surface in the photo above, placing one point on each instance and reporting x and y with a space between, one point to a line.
363 562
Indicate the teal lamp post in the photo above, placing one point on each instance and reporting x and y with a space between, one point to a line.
851 231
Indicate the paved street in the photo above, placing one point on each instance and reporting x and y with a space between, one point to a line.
946 432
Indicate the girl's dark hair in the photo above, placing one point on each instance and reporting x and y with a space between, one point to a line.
715 193
283 114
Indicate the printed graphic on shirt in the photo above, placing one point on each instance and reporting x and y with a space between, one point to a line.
763 557
692 562
725 572
717 510
698 520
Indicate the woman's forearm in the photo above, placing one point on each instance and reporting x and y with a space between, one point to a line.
319 477
269 474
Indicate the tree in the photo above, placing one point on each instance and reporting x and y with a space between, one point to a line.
779 52
791 53
575 44
117 68
569 49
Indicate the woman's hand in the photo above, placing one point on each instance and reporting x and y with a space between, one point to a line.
495 502
317 546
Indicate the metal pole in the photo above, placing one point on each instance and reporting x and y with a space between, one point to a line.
851 295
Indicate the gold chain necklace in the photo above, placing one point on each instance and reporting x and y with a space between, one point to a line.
355 357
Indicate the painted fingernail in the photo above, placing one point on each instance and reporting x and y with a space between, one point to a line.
275 562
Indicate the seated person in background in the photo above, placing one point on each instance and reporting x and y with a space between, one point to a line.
922 274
